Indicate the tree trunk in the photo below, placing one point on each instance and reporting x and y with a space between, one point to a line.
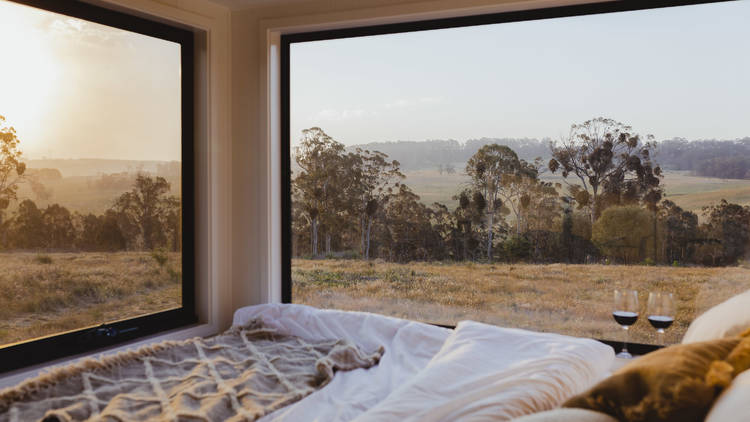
656 254
518 225
328 244
594 207
367 247
466 231
489 238
362 236
314 237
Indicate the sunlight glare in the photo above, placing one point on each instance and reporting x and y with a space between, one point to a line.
28 82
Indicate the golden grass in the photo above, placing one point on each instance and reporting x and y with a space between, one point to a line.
568 299
50 293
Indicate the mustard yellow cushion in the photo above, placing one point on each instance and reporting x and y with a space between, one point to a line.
566 415
674 384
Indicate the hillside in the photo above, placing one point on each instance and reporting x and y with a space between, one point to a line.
729 159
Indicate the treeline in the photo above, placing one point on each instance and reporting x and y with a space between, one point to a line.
144 218
354 203
709 158
728 159
433 154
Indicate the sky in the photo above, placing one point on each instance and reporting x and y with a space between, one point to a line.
673 72
76 89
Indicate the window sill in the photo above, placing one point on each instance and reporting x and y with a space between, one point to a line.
199 330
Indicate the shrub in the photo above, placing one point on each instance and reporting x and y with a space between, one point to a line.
160 256
622 233
43 259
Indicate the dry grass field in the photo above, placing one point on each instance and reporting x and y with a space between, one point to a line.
51 293
569 299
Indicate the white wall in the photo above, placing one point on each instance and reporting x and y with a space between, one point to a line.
213 146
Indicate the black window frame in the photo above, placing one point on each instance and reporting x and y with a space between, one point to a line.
415 26
35 351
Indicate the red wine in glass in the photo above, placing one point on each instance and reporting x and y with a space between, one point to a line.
660 322
661 312
625 318
626 314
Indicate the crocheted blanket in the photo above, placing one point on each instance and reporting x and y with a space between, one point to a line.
240 375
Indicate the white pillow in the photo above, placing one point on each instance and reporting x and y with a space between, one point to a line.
733 405
567 415
726 319
489 373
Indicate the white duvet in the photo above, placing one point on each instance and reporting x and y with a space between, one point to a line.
476 372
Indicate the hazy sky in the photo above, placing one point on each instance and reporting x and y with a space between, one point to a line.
76 89
676 72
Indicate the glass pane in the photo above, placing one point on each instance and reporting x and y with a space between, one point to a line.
90 174
520 173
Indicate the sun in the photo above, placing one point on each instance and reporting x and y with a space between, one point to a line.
29 74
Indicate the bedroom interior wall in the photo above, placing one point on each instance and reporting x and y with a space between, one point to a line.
256 26
213 152
213 146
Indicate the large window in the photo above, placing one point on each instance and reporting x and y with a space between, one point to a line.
519 168
96 179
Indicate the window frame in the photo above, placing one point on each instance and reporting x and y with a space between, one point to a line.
286 39
91 339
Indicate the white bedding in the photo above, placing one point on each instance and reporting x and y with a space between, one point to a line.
488 373
409 346
476 372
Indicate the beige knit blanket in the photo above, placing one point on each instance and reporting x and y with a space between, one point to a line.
240 375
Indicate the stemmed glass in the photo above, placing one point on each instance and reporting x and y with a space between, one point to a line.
626 314
660 311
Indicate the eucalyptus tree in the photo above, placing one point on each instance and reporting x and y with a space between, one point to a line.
12 169
499 176
319 180
371 180
606 156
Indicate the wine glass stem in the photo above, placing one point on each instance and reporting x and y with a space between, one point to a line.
661 336
627 338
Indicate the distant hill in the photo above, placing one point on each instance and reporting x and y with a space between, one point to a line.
84 167
414 155
726 159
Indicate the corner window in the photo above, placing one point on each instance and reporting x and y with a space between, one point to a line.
96 179
520 168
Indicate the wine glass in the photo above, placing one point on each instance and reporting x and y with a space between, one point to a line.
660 310
626 314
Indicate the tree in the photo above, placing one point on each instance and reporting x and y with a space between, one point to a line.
729 226
498 175
28 226
606 157
621 233
144 211
680 232
109 236
372 179
409 230
11 167
58 226
319 183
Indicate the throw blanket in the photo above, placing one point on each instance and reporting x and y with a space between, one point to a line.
240 375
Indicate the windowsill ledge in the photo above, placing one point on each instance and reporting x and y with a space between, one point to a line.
198 330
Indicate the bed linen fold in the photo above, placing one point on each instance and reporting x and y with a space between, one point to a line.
489 373
408 347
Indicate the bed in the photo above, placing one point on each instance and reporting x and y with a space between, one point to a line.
287 362
429 373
